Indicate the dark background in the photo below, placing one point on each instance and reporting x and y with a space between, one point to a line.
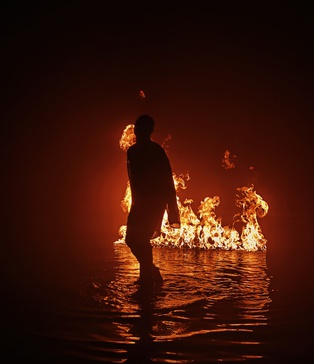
236 77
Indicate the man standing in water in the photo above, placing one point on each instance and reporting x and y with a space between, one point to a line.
153 192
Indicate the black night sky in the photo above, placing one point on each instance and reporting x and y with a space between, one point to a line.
236 77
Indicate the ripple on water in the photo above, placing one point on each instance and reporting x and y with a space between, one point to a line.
213 305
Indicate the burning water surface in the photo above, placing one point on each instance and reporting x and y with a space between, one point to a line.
204 229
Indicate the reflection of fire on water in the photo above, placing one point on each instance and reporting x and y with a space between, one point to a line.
204 229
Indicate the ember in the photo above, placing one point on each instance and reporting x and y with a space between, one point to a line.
204 229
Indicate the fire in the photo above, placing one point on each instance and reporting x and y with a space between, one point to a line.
226 162
127 138
141 94
204 229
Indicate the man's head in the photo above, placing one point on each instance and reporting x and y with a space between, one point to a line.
144 126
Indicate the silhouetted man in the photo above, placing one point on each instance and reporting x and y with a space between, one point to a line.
153 192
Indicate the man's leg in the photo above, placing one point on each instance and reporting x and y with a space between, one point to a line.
157 277
142 250
145 259
138 240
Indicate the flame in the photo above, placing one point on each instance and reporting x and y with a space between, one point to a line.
141 94
204 229
127 138
226 162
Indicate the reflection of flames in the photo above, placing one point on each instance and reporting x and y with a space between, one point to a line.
204 229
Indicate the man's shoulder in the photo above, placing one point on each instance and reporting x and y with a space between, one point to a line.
157 149
149 145
151 150
132 148
156 145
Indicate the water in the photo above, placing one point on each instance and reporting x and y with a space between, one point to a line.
214 306
211 306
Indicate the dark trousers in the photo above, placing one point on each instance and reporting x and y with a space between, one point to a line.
141 225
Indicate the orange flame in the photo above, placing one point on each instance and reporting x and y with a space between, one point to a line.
204 229
141 94
127 138
226 162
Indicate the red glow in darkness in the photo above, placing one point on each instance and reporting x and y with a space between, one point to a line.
224 79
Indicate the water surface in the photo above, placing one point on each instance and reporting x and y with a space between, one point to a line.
214 306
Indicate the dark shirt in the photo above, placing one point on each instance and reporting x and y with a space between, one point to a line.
151 180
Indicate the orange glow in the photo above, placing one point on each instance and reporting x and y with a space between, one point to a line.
204 229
